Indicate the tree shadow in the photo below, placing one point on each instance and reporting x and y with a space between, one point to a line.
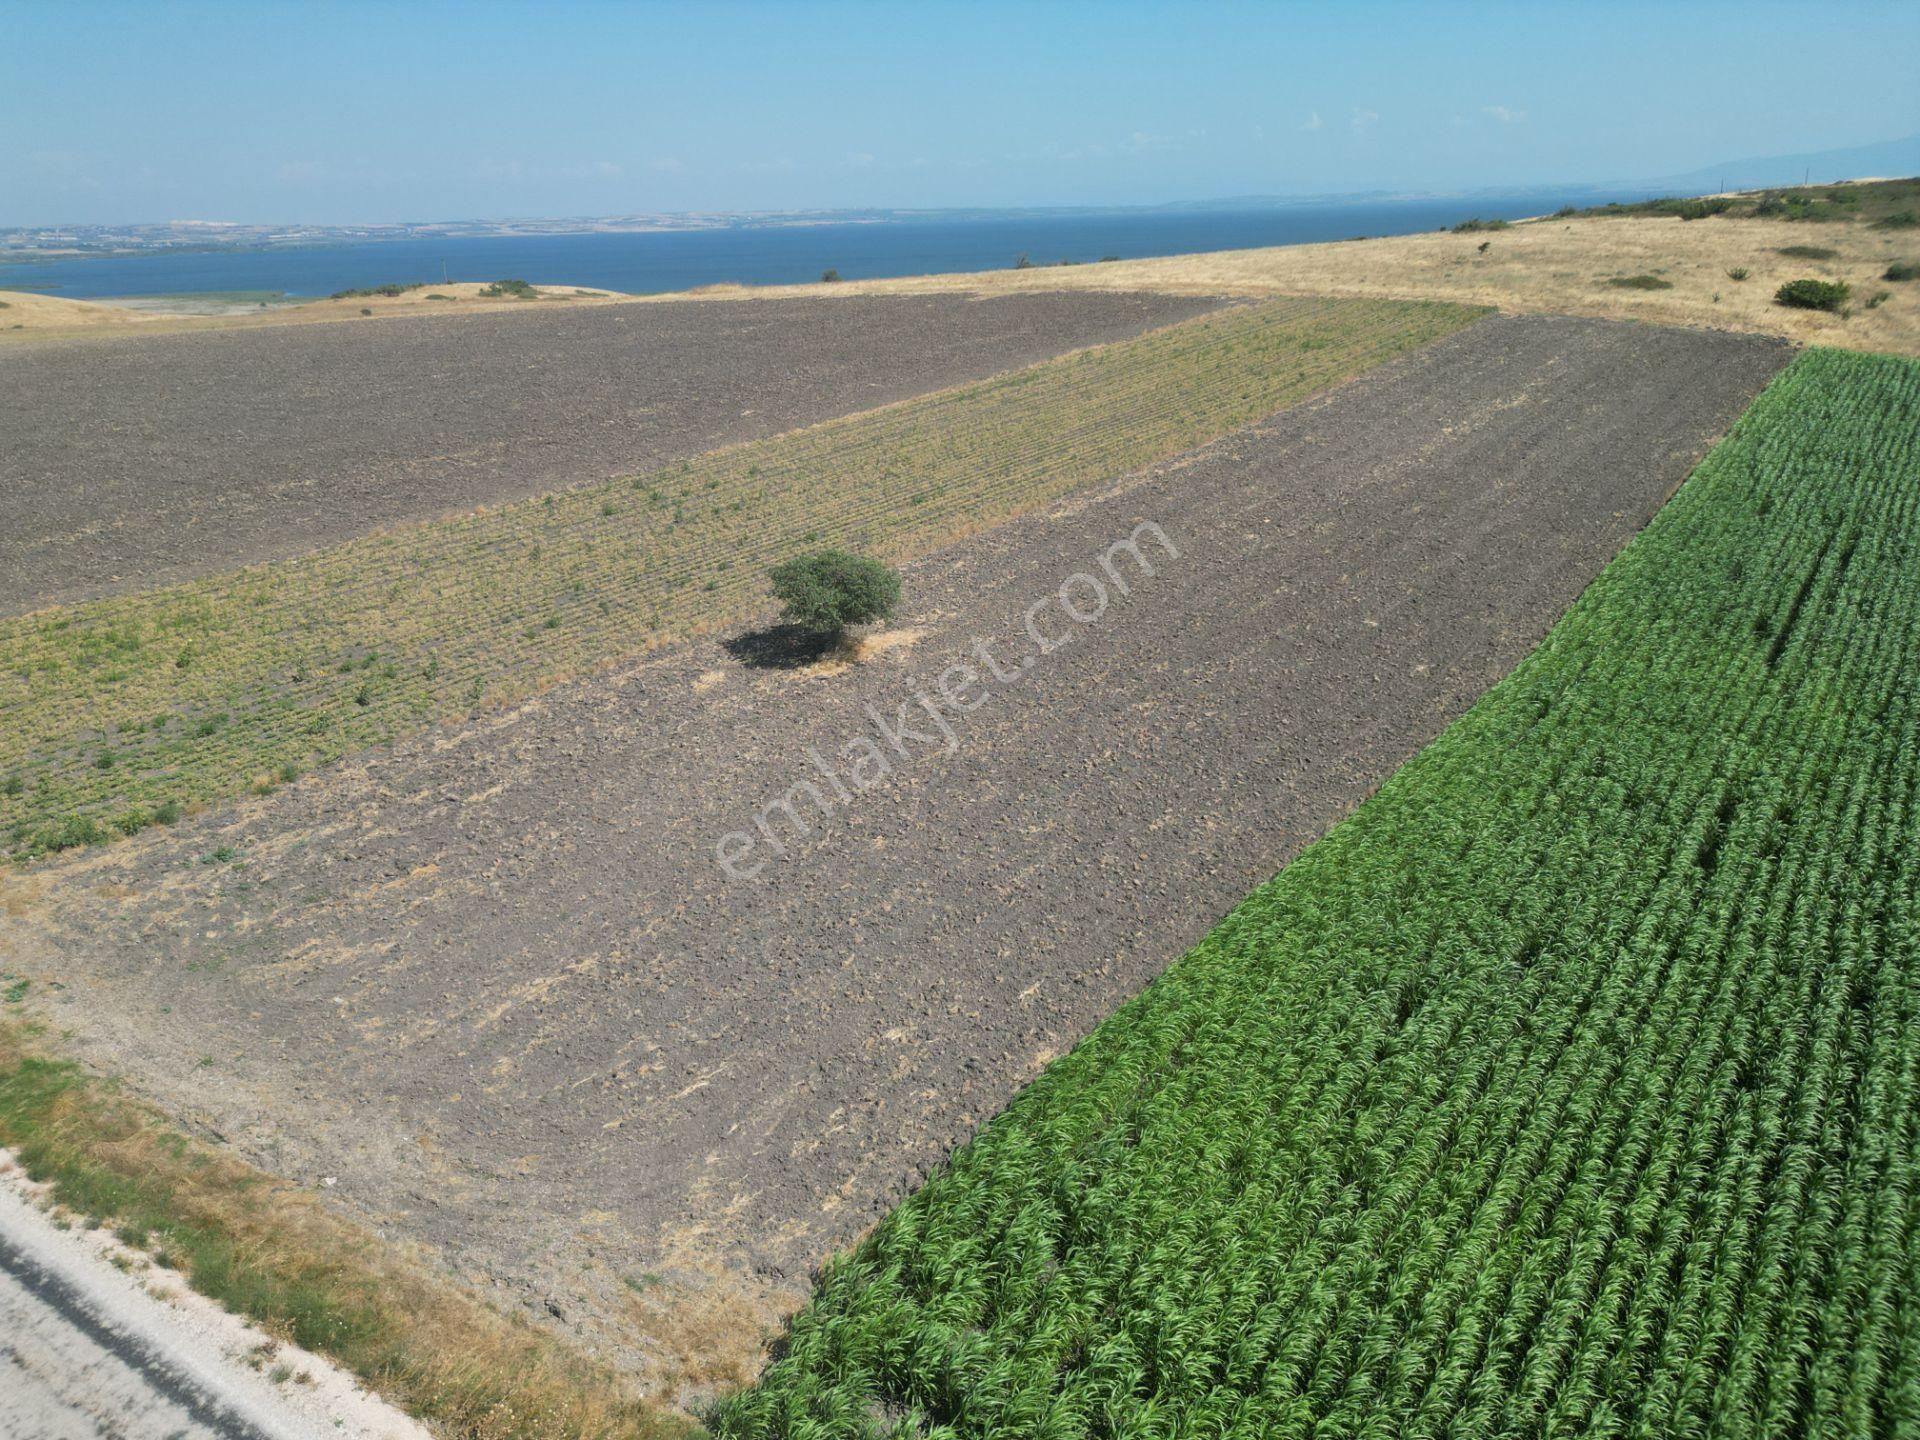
780 647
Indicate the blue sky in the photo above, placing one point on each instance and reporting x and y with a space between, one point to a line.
336 112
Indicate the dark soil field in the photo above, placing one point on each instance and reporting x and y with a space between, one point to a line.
493 989
151 458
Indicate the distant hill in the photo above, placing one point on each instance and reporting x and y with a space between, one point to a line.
1889 157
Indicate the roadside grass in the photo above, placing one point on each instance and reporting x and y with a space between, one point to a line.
1571 1086
264 1250
120 713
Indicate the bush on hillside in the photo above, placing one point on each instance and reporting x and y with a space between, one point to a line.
827 590
1902 270
1812 294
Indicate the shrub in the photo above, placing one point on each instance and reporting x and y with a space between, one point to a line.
388 290
365 311
1738 272
1878 298
1806 252
436 295
518 289
1899 220
1812 294
1022 263
827 590
1640 282
1902 270
1468 227
829 277
70 834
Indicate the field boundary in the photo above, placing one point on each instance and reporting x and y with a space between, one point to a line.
274 1254
1572 1082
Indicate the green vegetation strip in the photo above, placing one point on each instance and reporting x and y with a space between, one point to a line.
115 713
268 1252
1571 1086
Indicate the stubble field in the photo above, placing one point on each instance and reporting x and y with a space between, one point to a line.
120 713
152 458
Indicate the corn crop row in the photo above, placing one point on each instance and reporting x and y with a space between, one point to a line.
1570 1087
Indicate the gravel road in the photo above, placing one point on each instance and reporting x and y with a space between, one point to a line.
129 463
87 1351
497 982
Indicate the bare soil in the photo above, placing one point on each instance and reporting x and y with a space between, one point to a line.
163 456
495 983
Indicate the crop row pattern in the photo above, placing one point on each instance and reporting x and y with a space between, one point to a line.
1569 1087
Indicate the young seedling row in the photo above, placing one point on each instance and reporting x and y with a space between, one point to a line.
1571 1086
116 713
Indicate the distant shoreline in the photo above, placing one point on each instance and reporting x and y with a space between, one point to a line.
861 246
185 237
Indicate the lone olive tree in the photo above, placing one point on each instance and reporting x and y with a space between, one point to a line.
827 590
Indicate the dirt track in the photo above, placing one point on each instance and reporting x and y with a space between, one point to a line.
163 456
496 982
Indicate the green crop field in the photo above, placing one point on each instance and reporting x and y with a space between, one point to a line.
116 713
1571 1086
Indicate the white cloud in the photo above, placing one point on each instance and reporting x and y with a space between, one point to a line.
1363 118
1314 122
1503 114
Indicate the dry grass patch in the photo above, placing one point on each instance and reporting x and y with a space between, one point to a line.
272 1253
1544 266
30 316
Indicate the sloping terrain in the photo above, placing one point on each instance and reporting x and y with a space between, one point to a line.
498 981
156 457
1572 1087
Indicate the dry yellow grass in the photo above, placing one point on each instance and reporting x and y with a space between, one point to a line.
1552 266
270 1251
38 313
31 317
